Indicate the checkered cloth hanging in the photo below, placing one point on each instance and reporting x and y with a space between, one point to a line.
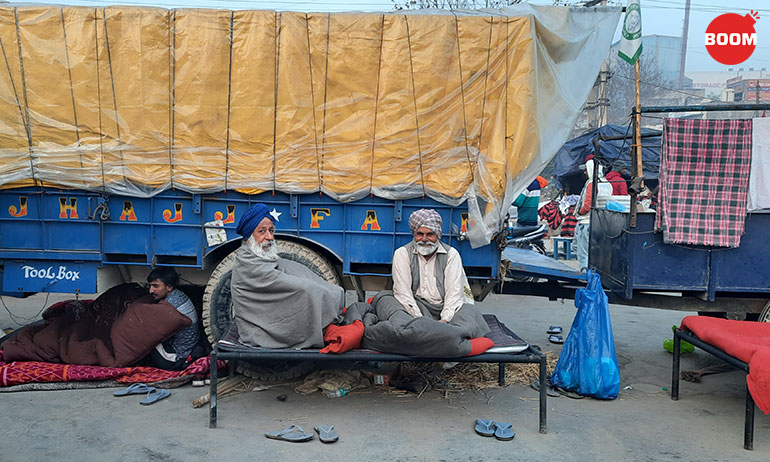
704 176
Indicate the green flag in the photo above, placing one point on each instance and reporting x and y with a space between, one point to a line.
631 43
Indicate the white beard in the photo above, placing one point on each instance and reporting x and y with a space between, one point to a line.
426 249
268 250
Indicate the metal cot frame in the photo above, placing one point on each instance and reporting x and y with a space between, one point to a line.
531 355
679 335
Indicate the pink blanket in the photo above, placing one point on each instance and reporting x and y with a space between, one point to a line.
748 341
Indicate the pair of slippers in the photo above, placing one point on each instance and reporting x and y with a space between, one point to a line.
153 394
500 430
555 334
295 434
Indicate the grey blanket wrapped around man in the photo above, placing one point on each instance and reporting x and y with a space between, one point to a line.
282 304
390 329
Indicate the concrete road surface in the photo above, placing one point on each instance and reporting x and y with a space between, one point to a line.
643 424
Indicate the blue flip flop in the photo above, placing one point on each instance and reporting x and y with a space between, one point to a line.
327 434
485 427
154 396
503 431
292 433
134 389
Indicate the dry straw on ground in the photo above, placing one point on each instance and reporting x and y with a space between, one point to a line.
475 376
463 376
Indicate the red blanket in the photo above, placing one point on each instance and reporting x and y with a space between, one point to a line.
746 340
19 372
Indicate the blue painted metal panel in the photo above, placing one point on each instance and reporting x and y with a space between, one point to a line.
22 234
73 236
177 240
126 238
20 204
660 266
747 268
49 276
638 259
168 228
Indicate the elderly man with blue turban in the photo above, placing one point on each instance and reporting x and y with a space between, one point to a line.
278 303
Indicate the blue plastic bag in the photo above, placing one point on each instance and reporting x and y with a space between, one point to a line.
588 364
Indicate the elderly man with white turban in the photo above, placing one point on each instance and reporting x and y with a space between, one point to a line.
428 275
430 311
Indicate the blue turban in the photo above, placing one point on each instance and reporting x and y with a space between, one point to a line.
249 220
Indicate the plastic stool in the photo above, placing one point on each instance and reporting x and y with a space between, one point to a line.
567 244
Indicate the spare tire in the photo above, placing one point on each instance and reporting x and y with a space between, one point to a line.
218 310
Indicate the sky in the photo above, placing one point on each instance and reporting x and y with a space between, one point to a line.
661 17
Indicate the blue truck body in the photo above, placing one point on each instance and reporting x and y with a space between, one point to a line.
54 240
635 261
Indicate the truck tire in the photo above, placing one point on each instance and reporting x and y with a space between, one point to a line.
218 312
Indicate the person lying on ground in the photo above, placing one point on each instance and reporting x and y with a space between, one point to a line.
278 303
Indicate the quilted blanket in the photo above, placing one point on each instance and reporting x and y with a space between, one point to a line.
24 372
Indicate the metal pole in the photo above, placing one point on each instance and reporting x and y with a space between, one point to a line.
707 108
637 151
685 32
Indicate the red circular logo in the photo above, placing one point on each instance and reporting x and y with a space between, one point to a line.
731 38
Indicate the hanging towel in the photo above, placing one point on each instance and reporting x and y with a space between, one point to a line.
704 175
759 180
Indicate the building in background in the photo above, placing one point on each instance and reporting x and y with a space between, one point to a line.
742 84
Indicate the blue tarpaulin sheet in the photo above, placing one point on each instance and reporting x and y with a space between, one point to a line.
615 153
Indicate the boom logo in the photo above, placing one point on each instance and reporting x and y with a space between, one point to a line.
731 38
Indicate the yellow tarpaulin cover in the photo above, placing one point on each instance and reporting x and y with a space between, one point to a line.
138 100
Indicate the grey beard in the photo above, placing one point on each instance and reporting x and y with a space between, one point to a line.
427 248
268 250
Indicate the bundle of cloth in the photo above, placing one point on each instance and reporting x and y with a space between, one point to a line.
117 329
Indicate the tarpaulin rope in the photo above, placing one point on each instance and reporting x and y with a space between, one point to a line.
99 97
376 102
462 95
229 99
277 21
72 89
312 101
486 81
326 87
24 92
507 55
172 92
414 95
114 96
15 92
